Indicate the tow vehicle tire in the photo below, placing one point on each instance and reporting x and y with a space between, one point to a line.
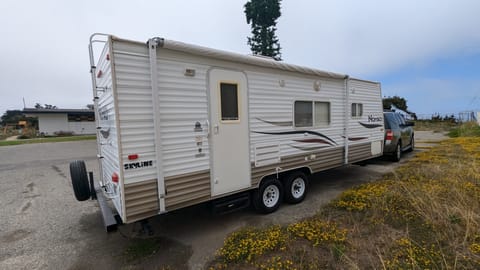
268 197
296 185
397 155
80 183
412 144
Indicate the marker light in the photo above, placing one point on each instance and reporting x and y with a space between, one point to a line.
115 177
132 156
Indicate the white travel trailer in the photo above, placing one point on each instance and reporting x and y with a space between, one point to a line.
181 124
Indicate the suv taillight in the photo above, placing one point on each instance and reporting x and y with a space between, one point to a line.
389 135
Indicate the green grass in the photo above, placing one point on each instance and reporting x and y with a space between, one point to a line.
465 130
48 140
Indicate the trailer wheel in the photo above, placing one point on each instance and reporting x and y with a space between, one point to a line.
268 197
296 187
81 186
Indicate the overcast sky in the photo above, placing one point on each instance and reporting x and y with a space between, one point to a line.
426 51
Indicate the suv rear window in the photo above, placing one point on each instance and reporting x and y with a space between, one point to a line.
390 120
400 118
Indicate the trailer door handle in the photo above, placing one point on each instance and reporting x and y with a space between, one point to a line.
215 129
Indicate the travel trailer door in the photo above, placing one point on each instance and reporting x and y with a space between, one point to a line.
229 131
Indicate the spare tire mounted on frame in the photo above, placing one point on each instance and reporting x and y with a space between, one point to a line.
80 183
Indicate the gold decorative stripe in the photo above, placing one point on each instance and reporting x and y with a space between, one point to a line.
187 189
141 200
359 152
324 159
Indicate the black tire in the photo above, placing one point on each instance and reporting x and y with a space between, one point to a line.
268 197
397 155
80 183
296 186
412 144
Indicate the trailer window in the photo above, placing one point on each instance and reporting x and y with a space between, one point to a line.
322 113
357 109
308 112
303 113
229 101
80 117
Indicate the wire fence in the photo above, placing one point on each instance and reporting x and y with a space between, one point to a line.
462 117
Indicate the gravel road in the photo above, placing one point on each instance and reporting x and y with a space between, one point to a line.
42 226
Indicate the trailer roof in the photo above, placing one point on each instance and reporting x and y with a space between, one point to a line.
240 58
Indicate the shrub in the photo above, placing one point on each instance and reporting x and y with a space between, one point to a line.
469 129
23 137
63 133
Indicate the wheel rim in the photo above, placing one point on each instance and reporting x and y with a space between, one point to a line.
298 188
413 144
399 151
271 195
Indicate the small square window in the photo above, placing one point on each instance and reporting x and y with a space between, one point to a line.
229 101
357 109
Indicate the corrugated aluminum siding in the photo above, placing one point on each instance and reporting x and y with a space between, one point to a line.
368 94
107 135
270 103
187 189
359 152
141 200
324 159
135 109
183 102
135 113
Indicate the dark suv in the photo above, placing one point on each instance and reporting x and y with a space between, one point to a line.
399 135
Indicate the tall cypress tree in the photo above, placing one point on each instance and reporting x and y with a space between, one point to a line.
263 15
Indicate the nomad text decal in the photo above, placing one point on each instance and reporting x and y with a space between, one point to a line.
371 122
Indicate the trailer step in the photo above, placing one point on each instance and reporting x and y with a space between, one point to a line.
109 220
231 203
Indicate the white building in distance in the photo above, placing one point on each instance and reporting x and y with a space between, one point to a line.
58 121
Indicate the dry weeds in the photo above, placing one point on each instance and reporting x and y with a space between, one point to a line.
425 215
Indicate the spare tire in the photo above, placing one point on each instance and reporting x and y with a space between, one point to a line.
81 186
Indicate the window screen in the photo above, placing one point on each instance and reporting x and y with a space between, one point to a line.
303 114
322 113
357 109
229 101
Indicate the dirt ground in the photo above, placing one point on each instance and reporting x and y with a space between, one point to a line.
42 226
